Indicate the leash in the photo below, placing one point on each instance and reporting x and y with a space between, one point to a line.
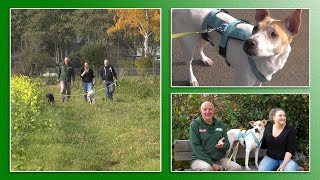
225 168
84 93
178 35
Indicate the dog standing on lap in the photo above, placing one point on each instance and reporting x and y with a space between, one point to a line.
268 45
250 139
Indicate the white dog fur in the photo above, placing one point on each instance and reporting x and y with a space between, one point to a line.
269 45
249 141
90 96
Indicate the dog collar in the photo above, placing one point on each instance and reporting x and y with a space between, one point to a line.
255 70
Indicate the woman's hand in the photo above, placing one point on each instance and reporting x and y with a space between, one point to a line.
280 168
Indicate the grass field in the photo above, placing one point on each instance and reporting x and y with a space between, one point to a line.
112 135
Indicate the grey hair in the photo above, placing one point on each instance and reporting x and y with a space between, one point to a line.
273 112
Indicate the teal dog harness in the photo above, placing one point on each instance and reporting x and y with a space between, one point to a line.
242 134
212 22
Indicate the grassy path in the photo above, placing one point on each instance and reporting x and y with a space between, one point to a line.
118 135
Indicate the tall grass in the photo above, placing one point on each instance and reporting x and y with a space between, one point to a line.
112 135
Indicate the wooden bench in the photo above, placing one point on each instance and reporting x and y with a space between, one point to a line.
183 152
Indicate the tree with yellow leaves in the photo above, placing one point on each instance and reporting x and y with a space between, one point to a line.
144 22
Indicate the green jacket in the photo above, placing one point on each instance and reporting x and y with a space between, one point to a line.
204 137
66 73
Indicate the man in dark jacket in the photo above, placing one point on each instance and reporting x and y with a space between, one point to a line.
107 74
209 142
66 77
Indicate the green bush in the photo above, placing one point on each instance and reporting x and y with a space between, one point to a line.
143 64
26 106
94 52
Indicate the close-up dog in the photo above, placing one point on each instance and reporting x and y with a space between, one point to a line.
255 53
50 98
90 96
250 139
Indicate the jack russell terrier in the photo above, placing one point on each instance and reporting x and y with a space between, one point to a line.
255 52
90 96
250 139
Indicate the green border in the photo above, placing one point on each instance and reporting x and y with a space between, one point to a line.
166 6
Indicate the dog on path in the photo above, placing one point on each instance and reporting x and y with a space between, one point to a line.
91 96
249 139
50 98
255 52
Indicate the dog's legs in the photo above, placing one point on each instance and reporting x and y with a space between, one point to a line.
256 155
204 58
247 159
189 44
235 152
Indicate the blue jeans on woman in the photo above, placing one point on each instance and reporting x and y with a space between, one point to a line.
269 164
86 87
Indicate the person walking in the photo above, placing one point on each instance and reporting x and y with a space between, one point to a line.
66 77
108 74
87 76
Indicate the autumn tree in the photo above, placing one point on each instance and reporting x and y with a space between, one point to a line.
143 22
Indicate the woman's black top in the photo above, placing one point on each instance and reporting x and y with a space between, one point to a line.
278 146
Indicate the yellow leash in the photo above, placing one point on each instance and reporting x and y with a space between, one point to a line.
178 35
225 168
83 93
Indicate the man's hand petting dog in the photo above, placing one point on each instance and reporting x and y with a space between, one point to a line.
220 143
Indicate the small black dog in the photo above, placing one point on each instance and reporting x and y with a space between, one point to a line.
50 98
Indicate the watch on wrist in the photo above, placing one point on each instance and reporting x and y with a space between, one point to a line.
220 168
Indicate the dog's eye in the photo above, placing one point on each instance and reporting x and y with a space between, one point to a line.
273 34
255 28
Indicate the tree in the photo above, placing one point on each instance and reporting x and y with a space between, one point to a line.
144 22
93 52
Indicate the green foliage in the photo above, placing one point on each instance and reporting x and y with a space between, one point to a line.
26 107
76 59
236 110
143 64
94 52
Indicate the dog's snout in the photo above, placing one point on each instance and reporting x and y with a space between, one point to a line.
250 47
256 130
250 43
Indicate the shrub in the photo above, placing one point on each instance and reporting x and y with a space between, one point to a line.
26 106
143 64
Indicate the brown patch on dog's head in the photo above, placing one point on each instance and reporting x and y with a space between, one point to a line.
259 125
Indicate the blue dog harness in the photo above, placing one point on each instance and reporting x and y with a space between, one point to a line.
242 134
212 22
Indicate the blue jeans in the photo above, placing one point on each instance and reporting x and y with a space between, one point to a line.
269 164
86 87
108 88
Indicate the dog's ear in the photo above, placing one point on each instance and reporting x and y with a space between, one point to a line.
252 123
293 22
261 14
264 122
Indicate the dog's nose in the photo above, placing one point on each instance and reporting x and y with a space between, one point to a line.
256 130
250 47
250 43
